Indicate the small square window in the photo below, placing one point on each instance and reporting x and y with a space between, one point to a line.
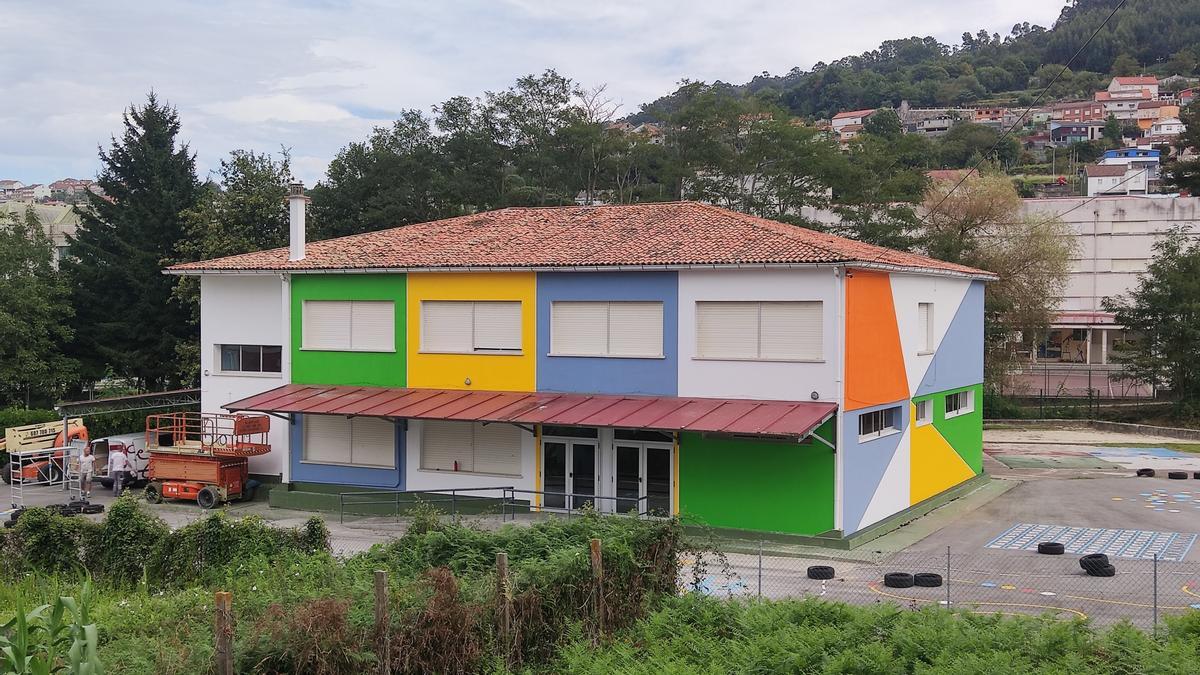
924 412
231 358
960 403
878 423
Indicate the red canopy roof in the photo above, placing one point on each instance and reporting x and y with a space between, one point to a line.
662 413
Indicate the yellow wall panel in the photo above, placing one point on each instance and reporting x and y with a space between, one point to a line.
507 372
936 467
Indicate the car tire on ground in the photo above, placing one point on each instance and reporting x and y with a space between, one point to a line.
208 497
898 580
92 508
927 579
820 572
1092 561
1195 474
1051 548
153 492
1145 473
49 474
1177 475
1102 571
6 473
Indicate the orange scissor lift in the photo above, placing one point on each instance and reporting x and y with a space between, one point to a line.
203 456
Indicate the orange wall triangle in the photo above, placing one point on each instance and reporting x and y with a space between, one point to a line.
875 371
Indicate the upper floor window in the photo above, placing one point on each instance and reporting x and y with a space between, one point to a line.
614 329
878 423
466 327
251 358
960 403
765 331
925 327
349 325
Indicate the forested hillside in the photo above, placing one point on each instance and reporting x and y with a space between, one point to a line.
1153 36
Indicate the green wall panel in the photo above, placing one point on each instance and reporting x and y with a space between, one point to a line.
965 432
380 369
757 485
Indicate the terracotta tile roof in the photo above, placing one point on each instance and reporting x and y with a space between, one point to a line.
1136 79
1105 170
669 234
853 113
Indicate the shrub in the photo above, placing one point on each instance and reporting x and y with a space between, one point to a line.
51 543
120 548
313 637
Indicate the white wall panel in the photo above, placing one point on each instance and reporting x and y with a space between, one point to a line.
908 291
243 310
757 379
417 478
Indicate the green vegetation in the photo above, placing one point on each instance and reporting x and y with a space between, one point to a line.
702 635
300 610
1159 37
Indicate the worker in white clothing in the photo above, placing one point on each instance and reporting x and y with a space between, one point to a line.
118 464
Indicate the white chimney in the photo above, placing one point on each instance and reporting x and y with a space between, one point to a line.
296 203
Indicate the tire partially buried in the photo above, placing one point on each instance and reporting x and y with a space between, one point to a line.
1177 475
1093 561
1051 548
1102 571
820 572
898 580
1145 473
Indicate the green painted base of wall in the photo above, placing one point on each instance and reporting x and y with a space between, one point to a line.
834 539
324 497
753 485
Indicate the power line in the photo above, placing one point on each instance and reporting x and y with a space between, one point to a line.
1020 119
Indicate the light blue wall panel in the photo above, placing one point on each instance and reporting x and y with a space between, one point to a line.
958 361
345 475
864 464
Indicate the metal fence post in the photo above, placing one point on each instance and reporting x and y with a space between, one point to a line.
760 553
947 577
1156 594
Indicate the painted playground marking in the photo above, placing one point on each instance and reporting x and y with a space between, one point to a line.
1171 546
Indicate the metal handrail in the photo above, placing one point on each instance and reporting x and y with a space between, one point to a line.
508 500
394 497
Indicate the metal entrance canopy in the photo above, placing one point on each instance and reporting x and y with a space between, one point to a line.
790 419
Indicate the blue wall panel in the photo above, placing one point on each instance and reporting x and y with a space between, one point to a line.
864 464
609 375
958 361
344 475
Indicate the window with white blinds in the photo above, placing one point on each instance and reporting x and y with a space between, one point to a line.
768 331
359 441
466 327
621 329
471 447
349 325
925 327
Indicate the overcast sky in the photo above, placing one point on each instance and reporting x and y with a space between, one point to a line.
317 74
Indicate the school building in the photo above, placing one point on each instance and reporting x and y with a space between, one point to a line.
669 358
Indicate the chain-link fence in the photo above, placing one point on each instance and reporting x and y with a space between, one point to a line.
1140 590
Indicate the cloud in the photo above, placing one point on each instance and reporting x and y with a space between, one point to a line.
315 75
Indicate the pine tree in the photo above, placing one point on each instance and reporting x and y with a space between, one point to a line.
126 319
33 315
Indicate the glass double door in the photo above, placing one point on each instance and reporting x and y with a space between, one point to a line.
642 478
569 473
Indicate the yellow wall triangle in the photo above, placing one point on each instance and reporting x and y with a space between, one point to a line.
936 467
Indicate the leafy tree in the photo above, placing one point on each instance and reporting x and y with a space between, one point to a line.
1184 174
1125 65
1183 62
396 177
884 123
34 311
979 224
1112 130
1163 312
125 318
243 210
966 143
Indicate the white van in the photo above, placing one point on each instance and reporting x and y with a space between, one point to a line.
134 446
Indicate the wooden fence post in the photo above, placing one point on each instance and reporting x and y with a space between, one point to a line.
598 578
224 632
383 624
504 604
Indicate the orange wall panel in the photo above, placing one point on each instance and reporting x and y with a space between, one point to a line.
875 371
